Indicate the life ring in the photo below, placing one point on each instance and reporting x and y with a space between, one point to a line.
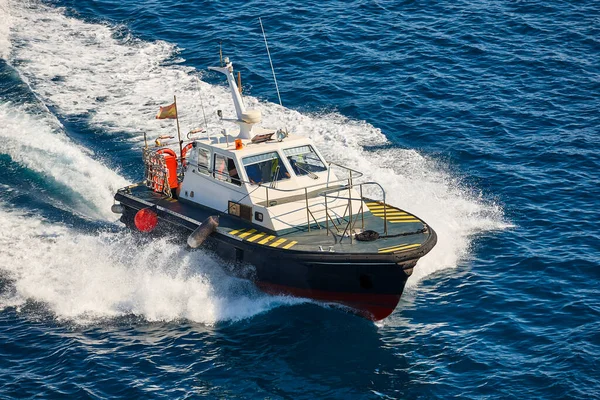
184 153
166 151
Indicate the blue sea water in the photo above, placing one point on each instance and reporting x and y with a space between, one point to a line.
479 116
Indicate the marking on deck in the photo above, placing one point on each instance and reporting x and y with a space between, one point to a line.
290 244
250 232
388 216
251 235
265 240
394 246
393 249
277 242
390 213
253 238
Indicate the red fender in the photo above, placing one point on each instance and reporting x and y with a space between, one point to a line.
145 220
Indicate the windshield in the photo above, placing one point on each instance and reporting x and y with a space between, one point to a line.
264 168
304 160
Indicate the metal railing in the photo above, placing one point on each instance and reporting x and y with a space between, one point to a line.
326 192
350 225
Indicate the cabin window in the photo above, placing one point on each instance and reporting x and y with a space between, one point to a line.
225 170
304 160
203 161
265 168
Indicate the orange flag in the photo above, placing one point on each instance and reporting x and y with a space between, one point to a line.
168 112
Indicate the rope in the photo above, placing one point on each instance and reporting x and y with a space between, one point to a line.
405 233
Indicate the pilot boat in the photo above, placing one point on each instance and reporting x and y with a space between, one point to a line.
270 205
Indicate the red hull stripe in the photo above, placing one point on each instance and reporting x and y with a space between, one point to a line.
371 306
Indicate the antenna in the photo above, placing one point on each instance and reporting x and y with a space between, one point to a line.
270 61
202 105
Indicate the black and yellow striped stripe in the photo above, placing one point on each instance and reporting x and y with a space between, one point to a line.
391 214
253 236
398 247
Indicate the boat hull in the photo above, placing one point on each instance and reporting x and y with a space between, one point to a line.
371 306
368 284
370 287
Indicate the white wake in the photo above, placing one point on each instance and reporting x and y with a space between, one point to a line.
37 141
85 277
83 68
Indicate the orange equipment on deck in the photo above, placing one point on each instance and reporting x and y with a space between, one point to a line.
171 161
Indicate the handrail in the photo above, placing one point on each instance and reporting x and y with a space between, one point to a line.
327 183
214 172
326 192
311 186
350 199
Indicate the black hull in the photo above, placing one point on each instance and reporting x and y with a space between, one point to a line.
369 284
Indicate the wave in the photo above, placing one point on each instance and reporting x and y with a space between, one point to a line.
5 28
38 142
90 277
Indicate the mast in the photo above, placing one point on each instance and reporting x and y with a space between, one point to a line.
227 70
245 118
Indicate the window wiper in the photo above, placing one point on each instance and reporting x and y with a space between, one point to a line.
309 173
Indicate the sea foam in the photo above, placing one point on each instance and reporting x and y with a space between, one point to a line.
88 277
37 141
83 68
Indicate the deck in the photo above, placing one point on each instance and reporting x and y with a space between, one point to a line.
405 231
